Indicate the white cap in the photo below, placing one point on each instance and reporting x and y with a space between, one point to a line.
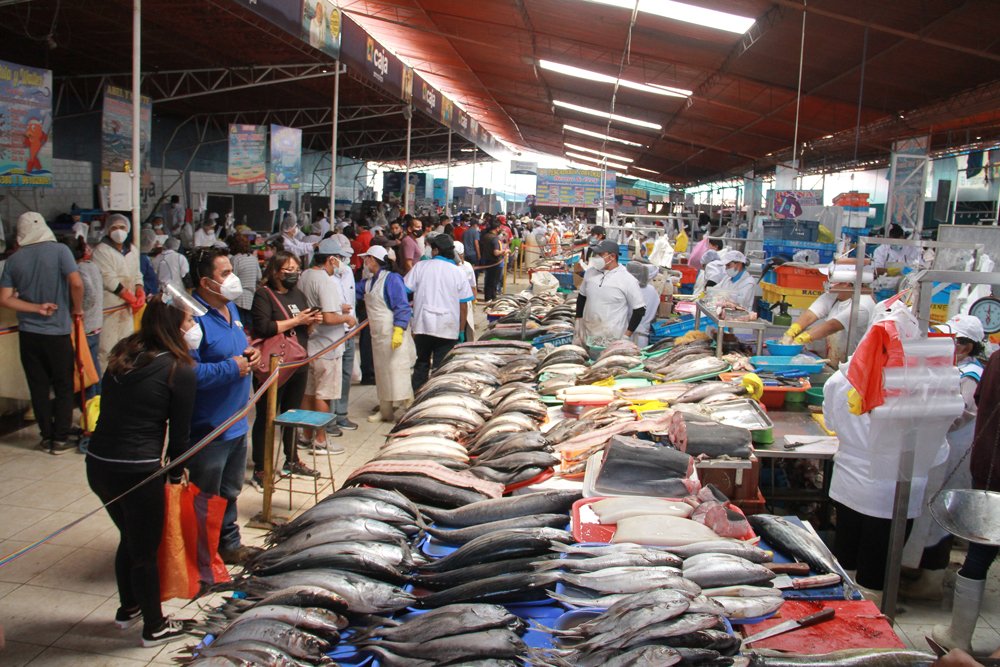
734 256
376 251
460 248
964 326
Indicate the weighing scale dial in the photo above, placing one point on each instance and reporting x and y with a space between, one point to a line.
987 310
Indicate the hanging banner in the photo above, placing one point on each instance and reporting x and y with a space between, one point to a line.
321 26
360 49
907 184
286 158
440 191
427 99
392 184
572 187
631 200
25 126
523 167
788 204
116 134
286 14
247 154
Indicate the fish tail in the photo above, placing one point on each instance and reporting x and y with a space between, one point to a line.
546 565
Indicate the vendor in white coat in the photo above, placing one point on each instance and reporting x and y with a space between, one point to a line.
205 236
470 275
122 283
892 258
642 271
864 503
738 282
610 305
441 297
831 313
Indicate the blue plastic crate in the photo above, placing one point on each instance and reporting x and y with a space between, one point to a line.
826 251
664 329
565 279
555 340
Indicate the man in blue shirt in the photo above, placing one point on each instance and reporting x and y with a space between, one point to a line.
225 360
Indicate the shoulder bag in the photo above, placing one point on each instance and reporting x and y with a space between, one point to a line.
286 345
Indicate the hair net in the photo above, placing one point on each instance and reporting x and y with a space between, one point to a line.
639 271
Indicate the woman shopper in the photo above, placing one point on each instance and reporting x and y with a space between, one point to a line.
148 393
247 269
389 313
279 307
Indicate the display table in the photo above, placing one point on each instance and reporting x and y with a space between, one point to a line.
721 326
857 624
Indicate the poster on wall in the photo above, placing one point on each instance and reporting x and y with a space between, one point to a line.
321 26
631 200
25 126
908 183
116 134
286 158
392 184
788 204
573 187
247 154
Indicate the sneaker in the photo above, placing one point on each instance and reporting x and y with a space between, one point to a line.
257 480
45 444
126 618
58 447
298 469
239 555
333 430
322 448
375 417
168 631
346 424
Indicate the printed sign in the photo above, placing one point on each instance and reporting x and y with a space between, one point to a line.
788 204
247 154
321 26
360 49
907 183
116 134
25 126
286 158
522 167
573 187
427 99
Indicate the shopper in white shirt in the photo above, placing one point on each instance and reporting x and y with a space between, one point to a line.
738 282
171 266
470 274
204 236
610 305
291 237
344 276
247 269
441 297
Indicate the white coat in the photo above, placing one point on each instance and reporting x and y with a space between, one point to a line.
438 287
741 291
828 307
885 255
652 300
611 298
171 267
116 269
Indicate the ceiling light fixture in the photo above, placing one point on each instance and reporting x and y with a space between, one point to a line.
600 161
581 73
598 135
591 150
681 11
650 171
611 116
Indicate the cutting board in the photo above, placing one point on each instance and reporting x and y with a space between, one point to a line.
857 624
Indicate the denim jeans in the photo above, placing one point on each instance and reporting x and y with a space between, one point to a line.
218 470
94 343
340 407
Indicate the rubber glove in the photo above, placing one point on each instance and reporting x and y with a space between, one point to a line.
792 332
803 338
140 295
461 337
753 385
126 295
854 402
397 337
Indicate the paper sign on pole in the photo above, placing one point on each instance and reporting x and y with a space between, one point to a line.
120 193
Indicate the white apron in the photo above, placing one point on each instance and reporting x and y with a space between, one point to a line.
393 368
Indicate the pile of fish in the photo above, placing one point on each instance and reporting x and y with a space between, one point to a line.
683 362
530 315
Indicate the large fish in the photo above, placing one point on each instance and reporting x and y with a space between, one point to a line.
343 529
464 648
437 472
321 622
624 559
464 535
864 657
708 365
801 544
750 607
295 642
449 578
344 508
637 635
249 652
714 570
362 595
500 545
446 621
542 502
421 489
503 588
629 580
372 558
661 530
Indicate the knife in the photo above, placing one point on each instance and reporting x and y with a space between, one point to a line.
794 624
784 581
942 651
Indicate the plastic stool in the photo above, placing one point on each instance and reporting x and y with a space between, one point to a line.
296 419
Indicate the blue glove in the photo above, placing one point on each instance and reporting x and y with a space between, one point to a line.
461 337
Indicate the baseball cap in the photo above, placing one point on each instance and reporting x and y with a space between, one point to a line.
606 246
964 326
459 247
332 246
598 229
442 242
376 251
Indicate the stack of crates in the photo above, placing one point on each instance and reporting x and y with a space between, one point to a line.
689 275
787 249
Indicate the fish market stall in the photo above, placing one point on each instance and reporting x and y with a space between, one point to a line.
722 324
539 506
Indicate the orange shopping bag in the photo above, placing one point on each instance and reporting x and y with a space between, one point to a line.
86 372
192 522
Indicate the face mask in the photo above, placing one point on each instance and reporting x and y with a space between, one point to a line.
366 272
193 337
118 235
593 240
598 263
417 232
230 288
290 281
732 273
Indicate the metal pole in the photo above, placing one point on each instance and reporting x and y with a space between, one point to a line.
475 154
272 409
897 536
333 145
447 179
136 126
406 184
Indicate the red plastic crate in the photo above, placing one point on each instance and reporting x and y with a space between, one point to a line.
798 277
689 274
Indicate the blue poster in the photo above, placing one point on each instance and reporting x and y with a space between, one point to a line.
247 154
573 187
25 126
286 158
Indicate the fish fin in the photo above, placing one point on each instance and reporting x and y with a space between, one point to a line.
546 565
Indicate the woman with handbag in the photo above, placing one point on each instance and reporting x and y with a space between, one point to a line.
149 386
280 309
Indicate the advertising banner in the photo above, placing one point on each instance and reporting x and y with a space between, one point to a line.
427 99
788 204
25 126
392 183
440 191
907 183
116 133
573 187
631 200
523 167
360 49
286 14
321 26
247 154
286 158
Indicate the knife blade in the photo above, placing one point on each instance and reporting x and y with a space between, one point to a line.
794 624
784 581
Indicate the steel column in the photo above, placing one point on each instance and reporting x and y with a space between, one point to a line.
406 184
333 146
136 125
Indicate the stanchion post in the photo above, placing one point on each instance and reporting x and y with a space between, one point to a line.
271 408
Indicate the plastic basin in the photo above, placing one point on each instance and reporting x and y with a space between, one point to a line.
814 396
775 347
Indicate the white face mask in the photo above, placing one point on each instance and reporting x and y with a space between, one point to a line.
732 273
231 288
193 337
598 263
118 235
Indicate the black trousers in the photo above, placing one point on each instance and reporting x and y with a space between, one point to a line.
862 543
48 369
289 398
978 561
491 282
429 348
364 346
139 518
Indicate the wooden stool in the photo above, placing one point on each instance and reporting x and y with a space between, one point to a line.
296 419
